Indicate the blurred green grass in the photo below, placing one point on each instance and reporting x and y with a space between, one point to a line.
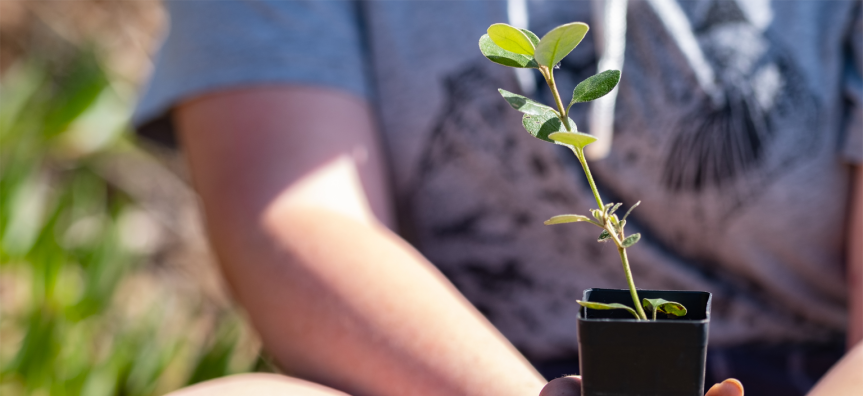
87 308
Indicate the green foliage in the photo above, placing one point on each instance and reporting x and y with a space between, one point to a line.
574 139
511 39
567 218
531 36
631 240
72 324
214 361
525 105
77 87
607 306
659 305
513 47
595 87
559 42
501 56
544 124
604 236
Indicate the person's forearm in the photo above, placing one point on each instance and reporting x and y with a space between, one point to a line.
845 378
855 260
291 183
353 307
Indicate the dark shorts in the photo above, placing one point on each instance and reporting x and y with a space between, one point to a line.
764 370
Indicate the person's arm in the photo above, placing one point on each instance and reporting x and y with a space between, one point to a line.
845 378
293 186
855 260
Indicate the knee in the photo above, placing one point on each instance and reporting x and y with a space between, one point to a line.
259 384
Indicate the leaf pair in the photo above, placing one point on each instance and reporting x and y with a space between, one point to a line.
659 305
539 120
651 304
544 123
513 47
609 210
607 306
627 242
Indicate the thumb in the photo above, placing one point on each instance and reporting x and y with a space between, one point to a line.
729 387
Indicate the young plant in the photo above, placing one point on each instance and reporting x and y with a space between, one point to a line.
521 48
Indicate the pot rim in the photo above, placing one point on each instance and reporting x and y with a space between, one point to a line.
582 310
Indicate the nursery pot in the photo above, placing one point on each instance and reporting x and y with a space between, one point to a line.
622 356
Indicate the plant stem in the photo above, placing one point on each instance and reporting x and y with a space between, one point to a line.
580 155
549 79
631 283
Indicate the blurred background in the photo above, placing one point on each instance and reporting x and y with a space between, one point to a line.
107 286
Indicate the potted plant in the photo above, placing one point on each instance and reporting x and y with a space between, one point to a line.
631 342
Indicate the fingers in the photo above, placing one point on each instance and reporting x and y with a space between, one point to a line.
571 386
729 387
564 386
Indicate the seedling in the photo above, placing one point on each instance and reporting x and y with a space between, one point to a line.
521 48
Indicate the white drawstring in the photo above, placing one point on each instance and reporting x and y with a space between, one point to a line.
609 17
678 27
517 14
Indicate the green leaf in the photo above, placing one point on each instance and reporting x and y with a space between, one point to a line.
503 57
82 84
530 35
511 39
605 307
567 218
543 124
559 42
631 240
659 305
603 237
597 214
595 87
630 210
524 104
575 139
614 208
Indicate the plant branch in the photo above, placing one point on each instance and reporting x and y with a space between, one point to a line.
549 79
580 155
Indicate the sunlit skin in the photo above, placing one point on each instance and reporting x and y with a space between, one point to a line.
855 261
297 219
293 186
845 378
271 384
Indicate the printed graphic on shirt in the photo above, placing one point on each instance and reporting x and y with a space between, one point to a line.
758 91
731 114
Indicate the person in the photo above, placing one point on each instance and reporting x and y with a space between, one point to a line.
315 130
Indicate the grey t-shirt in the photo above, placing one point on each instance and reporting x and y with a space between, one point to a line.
744 197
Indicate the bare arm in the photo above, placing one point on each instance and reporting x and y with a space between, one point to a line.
293 187
855 260
843 379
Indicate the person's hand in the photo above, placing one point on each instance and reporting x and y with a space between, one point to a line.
571 386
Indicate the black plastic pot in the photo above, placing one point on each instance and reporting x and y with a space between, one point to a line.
622 356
